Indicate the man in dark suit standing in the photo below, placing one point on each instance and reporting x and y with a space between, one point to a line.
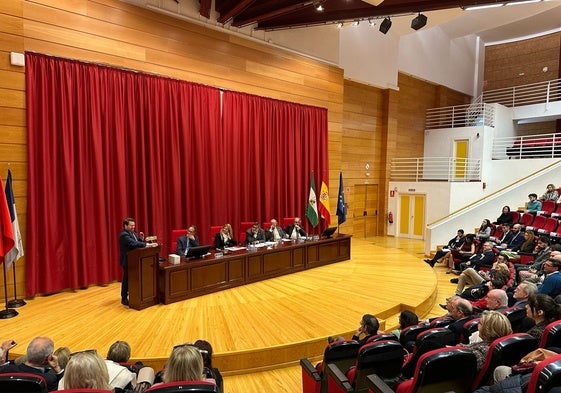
185 242
128 240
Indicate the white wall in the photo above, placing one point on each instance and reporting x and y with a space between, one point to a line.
321 42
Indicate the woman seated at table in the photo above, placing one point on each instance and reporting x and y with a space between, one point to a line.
224 238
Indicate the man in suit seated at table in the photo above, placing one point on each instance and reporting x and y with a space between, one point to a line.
185 242
255 234
295 230
275 232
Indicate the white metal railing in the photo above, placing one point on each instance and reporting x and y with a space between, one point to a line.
533 93
435 169
527 146
474 114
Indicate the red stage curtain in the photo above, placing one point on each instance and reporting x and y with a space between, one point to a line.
106 143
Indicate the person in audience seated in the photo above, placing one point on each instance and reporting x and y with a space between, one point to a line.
534 205
505 217
275 232
210 372
294 231
497 300
483 258
505 238
484 230
255 234
120 376
552 283
406 318
86 370
466 250
526 247
185 363
522 292
550 194
515 240
224 238
454 244
63 356
4 348
470 276
462 311
542 254
368 327
185 242
40 360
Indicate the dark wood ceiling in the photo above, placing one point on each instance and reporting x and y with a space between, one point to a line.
284 14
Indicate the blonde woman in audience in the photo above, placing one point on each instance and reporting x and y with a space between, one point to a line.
63 356
185 363
86 370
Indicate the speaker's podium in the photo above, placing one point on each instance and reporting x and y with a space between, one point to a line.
143 284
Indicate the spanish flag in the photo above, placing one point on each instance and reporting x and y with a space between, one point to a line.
324 203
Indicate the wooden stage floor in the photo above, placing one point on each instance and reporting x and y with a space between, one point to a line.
257 327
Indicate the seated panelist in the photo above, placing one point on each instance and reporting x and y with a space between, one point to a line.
255 234
224 238
185 242
275 232
293 231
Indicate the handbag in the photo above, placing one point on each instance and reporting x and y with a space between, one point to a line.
529 362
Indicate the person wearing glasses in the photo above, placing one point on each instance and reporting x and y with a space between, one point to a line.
40 360
552 283
185 242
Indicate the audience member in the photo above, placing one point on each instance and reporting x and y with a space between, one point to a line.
185 242
542 254
543 310
522 292
6 345
514 239
40 360
368 327
472 277
275 232
505 238
505 217
86 370
534 205
224 238
406 318
462 311
484 230
454 244
466 250
209 371
484 258
552 283
550 194
255 234
185 363
527 247
63 356
294 231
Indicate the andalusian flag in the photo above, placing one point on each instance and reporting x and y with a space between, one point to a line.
323 206
312 207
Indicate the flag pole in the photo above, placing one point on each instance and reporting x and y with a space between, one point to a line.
15 302
8 312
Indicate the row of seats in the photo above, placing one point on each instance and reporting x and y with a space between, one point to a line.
539 224
378 363
33 383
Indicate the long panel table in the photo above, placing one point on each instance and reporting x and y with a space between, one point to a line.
192 278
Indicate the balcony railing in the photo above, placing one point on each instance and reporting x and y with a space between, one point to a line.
435 169
533 93
527 146
475 114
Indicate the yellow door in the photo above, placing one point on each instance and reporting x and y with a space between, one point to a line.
460 158
412 216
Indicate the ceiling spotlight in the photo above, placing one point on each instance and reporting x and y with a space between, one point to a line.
356 22
385 25
340 24
419 22
371 22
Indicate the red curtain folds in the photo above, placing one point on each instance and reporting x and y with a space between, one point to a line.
106 143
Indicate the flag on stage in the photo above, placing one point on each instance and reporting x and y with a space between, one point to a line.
312 207
341 208
323 206
6 231
17 251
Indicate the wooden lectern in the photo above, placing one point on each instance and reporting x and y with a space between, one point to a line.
143 284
